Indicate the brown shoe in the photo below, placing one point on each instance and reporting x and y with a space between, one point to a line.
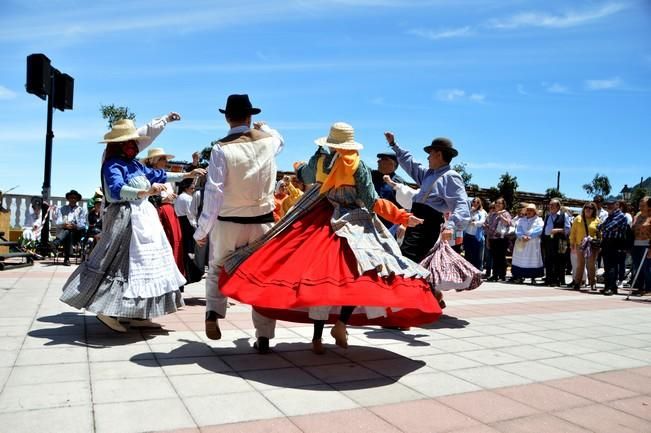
212 326
340 335
317 347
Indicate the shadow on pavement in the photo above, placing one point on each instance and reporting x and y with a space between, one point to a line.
290 365
86 331
447 322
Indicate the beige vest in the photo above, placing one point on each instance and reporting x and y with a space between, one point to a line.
251 174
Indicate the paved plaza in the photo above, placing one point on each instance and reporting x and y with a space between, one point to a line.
504 358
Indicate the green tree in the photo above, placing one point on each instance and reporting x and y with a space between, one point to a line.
508 188
636 195
462 169
600 185
113 113
551 193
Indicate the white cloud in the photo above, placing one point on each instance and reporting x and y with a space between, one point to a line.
6 94
521 90
555 88
452 95
378 100
441 34
612 83
546 20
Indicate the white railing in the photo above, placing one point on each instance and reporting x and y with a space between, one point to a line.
19 206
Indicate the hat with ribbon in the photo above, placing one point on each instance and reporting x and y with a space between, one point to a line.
341 136
444 145
123 130
155 152
238 105
73 193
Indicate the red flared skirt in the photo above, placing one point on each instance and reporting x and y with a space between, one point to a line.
172 228
308 265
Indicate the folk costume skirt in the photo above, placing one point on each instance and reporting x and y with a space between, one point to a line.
113 283
173 231
307 271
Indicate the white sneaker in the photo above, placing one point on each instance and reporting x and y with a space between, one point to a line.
143 323
111 323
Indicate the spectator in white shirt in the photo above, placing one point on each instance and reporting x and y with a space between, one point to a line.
71 221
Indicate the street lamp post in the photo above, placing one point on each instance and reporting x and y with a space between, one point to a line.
626 192
45 81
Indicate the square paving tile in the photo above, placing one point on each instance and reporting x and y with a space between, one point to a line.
189 365
230 408
599 418
132 389
54 355
279 378
575 365
209 384
530 353
376 392
490 356
408 417
50 373
336 373
397 367
42 396
487 406
625 379
74 419
437 384
255 362
543 397
355 420
142 416
539 424
448 361
124 370
536 371
490 377
308 400
637 406
591 389
280 425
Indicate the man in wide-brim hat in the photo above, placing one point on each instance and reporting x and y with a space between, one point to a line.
70 221
387 163
238 203
441 191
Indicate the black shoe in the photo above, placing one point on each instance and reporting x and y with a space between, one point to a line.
492 279
262 345
608 292
66 262
212 326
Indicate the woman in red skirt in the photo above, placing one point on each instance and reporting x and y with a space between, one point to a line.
330 258
158 159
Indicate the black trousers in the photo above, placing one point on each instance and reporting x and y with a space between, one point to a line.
67 238
420 239
611 254
554 261
498 248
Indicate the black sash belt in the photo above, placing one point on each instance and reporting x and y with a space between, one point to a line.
259 219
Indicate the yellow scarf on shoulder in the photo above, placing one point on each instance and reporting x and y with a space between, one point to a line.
343 170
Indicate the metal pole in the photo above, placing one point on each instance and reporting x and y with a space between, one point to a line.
47 171
558 180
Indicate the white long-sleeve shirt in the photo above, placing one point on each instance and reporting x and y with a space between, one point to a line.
183 207
217 171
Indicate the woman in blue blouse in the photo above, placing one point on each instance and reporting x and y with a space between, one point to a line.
130 276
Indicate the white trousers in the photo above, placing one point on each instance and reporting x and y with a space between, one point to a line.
226 237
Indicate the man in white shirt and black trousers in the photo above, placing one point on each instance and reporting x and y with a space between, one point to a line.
238 204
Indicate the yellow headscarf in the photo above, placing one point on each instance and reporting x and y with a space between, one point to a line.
343 170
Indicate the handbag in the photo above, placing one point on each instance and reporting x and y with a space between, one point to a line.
594 243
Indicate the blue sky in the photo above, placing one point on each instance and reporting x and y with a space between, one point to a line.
528 87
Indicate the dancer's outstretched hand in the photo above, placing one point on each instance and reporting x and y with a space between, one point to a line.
173 116
390 137
414 221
